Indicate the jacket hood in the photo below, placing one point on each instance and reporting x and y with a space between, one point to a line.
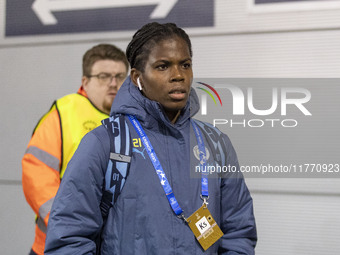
129 100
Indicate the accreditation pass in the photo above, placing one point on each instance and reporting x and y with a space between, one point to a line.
204 227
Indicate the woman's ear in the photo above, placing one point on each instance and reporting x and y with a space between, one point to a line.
135 74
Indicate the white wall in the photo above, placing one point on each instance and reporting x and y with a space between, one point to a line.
294 216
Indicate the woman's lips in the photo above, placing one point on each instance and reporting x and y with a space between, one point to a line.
177 94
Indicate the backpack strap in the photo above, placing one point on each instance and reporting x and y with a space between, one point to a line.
119 162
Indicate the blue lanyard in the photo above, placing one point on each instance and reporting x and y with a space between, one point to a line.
159 169
203 162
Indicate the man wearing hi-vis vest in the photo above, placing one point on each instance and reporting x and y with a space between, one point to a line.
58 133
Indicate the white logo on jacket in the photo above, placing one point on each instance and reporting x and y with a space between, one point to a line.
197 153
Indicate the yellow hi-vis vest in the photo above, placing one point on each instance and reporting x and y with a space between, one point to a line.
78 116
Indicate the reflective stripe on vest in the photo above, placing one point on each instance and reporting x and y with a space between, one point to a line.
77 116
50 160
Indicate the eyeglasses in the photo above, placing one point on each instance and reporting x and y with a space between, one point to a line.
106 78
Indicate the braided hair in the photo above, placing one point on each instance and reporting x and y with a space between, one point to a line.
144 39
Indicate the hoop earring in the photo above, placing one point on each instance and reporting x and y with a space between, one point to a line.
139 85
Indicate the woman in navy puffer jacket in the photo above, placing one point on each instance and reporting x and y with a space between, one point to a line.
158 103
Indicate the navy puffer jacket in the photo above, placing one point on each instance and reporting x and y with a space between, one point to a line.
142 221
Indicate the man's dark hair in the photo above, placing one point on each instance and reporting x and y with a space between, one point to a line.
144 39
102 52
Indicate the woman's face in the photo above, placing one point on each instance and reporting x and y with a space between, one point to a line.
168 75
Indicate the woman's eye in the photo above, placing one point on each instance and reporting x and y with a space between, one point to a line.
187 65
162 67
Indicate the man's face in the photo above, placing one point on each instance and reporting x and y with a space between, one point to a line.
100 89
168 75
